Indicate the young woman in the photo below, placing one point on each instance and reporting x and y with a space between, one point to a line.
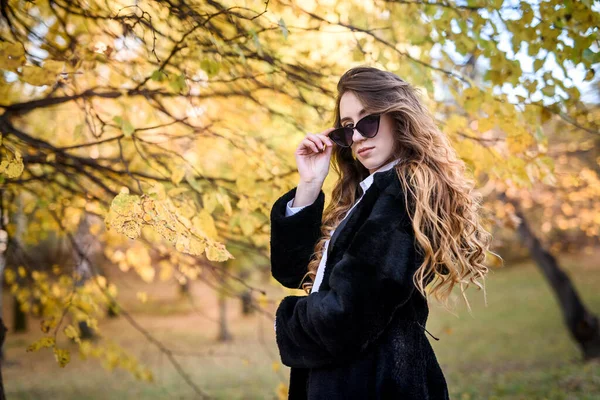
402 216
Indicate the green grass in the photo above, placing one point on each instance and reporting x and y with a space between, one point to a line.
518 346
515 348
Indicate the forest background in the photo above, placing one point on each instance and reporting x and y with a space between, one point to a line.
143 144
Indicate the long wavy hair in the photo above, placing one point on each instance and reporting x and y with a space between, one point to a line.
441 203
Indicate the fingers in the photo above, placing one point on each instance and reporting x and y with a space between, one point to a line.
326 132
324 136
317 142
313 142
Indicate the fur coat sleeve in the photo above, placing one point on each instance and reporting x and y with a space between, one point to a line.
366 285
293 239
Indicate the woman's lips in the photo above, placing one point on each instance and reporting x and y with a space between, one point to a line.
366 151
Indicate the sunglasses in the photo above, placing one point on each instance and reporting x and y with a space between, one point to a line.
368 127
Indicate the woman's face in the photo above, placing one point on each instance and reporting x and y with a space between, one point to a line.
351 111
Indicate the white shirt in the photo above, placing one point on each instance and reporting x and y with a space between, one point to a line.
365 184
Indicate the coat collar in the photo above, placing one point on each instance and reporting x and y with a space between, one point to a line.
366 183
384 181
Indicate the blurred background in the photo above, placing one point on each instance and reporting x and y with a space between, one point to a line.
143 144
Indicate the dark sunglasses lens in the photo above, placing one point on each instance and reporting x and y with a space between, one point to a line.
341 136
369 126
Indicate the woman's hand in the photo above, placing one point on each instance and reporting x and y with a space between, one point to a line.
312 157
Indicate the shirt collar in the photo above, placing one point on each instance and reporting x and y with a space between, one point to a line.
368 181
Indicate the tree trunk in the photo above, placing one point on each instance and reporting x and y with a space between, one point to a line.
224 333
84 241
19 317
582 324
246 297
184 288
3 247
87 333
247 302
2 337
112 310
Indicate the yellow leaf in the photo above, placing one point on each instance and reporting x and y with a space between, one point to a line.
260 240
142 296
85 349
197 247
177 175
282 391
146 273
101 280
158 189
189 178
183 243
276 366
205 224
95 228
263 300
166 271
224 200
12 168
123 266
37 76
245 183
243 203
125 215
11 49
519 142
177 191
185 212
455 123
485 124
138 256
46 341
47 324
472 99
12 56
25 307
92 323
62 356
147 376
209 202
54 66
247 223
10 276
71 332
126 204
217 252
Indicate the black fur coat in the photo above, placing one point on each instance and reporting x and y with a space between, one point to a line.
361 336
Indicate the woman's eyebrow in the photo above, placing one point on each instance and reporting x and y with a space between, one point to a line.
359 115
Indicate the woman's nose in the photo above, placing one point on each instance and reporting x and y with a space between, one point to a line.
356 136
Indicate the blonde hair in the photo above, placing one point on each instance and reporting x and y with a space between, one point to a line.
440 200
